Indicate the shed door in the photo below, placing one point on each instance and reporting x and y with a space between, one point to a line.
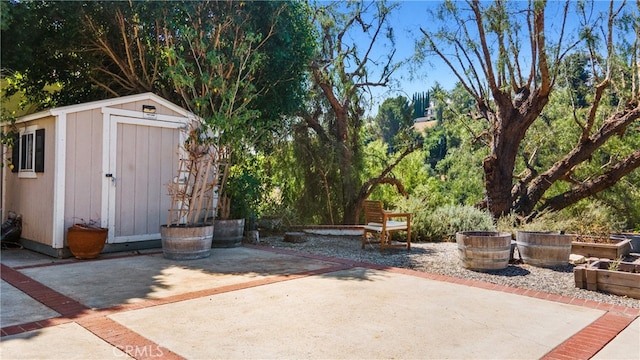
143 160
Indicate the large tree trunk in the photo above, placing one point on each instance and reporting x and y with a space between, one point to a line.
511 100
510 127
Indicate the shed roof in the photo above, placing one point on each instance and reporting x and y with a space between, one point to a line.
108 102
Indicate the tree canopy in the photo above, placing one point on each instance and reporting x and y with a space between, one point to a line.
99 49
545 113
504 56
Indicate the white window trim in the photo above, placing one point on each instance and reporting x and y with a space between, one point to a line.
27 173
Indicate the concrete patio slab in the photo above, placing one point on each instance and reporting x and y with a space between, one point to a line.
253 302
21 257
360 314
66 341
19 308
126 280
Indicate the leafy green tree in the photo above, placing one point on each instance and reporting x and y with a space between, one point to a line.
511 96
421 101
342 71
41 41
407 175
239 65
100 49
394 116
575 76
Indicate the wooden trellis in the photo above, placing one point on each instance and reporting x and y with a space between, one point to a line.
201 173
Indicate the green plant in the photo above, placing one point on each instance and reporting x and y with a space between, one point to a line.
441 223
548 221
244 188
8 135
596 219
589 218
87 224
614 265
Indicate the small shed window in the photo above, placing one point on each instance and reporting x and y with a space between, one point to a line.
28 152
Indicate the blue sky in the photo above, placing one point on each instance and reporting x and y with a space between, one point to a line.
412 15
406 22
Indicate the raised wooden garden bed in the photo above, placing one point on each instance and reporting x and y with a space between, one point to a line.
612 248
620 278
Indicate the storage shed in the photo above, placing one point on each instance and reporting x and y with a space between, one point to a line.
106 162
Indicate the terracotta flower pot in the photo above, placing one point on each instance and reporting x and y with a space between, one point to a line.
86 242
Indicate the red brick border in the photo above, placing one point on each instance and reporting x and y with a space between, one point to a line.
62 304
588 341
126 340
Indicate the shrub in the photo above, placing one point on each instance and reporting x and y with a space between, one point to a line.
513 223
589 218
442 223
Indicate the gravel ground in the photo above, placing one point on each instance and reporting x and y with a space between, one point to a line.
442 258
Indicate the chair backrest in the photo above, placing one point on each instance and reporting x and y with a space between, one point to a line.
373 211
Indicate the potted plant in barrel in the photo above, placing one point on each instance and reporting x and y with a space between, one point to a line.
238 206
189 229
212 63
86 239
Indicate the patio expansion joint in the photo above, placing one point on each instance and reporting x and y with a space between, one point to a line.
124 339
221 289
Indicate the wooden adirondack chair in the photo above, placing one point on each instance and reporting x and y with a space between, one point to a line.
377 221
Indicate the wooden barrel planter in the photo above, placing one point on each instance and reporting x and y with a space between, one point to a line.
86 242
544 249
228 233
484 250
186 242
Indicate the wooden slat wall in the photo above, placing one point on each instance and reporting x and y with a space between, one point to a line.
33 198
83 196
146 158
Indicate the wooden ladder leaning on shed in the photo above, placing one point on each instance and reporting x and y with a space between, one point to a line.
377 220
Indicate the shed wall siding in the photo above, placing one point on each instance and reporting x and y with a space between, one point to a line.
83 183
33 198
